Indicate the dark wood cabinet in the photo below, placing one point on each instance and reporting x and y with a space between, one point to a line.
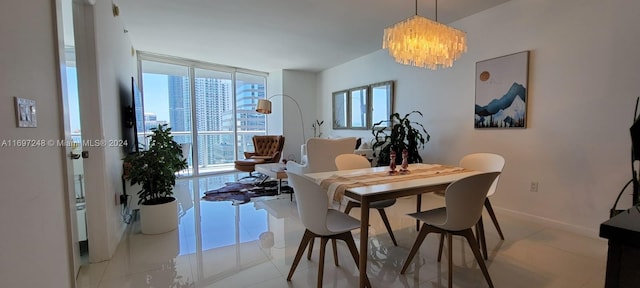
623 258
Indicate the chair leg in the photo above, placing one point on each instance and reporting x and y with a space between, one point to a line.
441 246
323 245
350 205
250 176
310 249
450 250
385 220
416 246
335 251
487 204
348 238
262 179
308 235
476 252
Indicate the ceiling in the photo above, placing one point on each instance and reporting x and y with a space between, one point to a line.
270 35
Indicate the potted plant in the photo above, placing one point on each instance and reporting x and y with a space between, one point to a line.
317 128
398 134
154 169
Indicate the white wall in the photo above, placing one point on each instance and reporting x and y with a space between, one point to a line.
302 86
110 53
274 120
582 89
34 243
285 119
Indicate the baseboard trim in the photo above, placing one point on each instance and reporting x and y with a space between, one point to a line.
582 231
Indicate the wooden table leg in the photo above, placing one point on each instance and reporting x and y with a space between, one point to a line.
418 209
364 240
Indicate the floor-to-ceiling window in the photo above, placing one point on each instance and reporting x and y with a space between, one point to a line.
213 104
249 89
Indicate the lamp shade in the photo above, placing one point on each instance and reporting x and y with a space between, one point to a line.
264 106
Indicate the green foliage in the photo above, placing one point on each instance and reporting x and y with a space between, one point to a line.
155 168
398 134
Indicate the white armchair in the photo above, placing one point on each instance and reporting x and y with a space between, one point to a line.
321 154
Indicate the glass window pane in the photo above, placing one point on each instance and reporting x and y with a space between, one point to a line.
358 97
249 89
214 118
381 102
221 108
340 108
217 151
167 100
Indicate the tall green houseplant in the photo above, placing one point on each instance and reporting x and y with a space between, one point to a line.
398 133
155 168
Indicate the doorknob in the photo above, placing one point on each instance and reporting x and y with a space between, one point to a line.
83 154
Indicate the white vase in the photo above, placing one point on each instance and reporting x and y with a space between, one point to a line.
159 218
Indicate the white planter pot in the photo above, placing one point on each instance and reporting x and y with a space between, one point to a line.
161 218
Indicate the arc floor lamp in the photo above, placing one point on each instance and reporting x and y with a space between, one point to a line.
264 107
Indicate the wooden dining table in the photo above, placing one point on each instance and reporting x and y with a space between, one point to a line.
374 184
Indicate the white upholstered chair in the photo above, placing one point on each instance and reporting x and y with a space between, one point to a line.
320 221
354 161
464 200
321 154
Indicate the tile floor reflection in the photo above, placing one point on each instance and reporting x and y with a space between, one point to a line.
253 245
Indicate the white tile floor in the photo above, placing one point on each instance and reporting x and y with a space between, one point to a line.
253 245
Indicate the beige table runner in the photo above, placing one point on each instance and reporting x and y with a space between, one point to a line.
336 184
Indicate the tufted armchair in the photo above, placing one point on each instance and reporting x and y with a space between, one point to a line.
268 149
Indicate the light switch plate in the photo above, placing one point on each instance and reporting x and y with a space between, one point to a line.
26 112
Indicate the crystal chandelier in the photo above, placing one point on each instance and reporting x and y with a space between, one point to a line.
421 42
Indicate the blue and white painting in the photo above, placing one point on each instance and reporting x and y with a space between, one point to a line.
501 91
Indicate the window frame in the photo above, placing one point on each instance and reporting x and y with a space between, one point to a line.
347 94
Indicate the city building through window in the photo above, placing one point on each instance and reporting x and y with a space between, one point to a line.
214 105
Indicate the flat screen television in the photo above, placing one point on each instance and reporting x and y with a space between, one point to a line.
129 117
635 153
635 140
634 130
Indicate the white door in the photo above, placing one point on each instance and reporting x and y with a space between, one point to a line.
72 137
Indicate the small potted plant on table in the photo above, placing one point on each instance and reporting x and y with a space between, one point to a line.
155 170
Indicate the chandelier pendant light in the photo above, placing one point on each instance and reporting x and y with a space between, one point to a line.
421 42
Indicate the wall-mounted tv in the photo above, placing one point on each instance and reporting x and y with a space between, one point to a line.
131 102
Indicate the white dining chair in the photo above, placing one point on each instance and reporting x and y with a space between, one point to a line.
322 222
354 161
319 157
486 162
464 200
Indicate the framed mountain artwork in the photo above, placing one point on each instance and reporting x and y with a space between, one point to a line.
501 92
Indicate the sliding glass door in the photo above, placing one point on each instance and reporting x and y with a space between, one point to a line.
166 100
214 106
